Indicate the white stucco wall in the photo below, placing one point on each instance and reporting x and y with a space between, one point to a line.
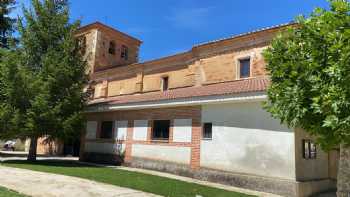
107 148
163 153
182 131
247 140
140 130
91 129
120 130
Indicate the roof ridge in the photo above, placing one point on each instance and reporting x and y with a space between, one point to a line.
245 33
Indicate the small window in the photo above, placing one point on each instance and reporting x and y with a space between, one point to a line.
124 52
207 131
111 48
165 83
244 68
161 130
309 149
106 129
91 92
82 44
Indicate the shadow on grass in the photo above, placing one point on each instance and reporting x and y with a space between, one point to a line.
51 162
7 155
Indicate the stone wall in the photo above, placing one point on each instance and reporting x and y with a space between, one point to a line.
205 64
106 60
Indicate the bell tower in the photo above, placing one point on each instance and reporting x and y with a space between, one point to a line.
106 47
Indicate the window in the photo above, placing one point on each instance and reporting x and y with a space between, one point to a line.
165 83
161 130
82 44
244 68
111 48
106 129
309 149
91 92
207 131
124 52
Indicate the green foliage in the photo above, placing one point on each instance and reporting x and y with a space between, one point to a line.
6 22
309 67
42 80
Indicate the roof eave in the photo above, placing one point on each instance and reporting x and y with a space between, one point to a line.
193 101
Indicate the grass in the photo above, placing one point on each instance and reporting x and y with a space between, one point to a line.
4 192
135 180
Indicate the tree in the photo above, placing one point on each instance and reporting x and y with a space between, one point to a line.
43 78
6 22
309 67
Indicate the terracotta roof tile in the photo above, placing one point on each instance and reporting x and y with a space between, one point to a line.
226 88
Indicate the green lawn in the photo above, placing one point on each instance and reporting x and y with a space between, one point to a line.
139 181
8 193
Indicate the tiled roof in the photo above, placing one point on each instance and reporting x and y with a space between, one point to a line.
218 89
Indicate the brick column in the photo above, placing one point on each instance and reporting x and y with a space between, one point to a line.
149 130
171 131
196 142
98 130
128 143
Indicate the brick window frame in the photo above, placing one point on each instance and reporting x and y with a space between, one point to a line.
103 126
112 48
82 44
155 130
124 52
239 64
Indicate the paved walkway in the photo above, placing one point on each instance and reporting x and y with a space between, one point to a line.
38 184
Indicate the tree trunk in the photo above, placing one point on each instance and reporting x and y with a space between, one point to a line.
344 172
32 149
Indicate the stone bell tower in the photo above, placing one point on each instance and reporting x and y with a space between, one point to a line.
105 47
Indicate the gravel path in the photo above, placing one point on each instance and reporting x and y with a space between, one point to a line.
39 184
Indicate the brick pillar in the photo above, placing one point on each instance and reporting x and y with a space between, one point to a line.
171 131
128 143
98 130
149 130
195 147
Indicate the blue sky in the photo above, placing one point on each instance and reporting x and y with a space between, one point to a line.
171 26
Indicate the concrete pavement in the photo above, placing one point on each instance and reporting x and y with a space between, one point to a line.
39 184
